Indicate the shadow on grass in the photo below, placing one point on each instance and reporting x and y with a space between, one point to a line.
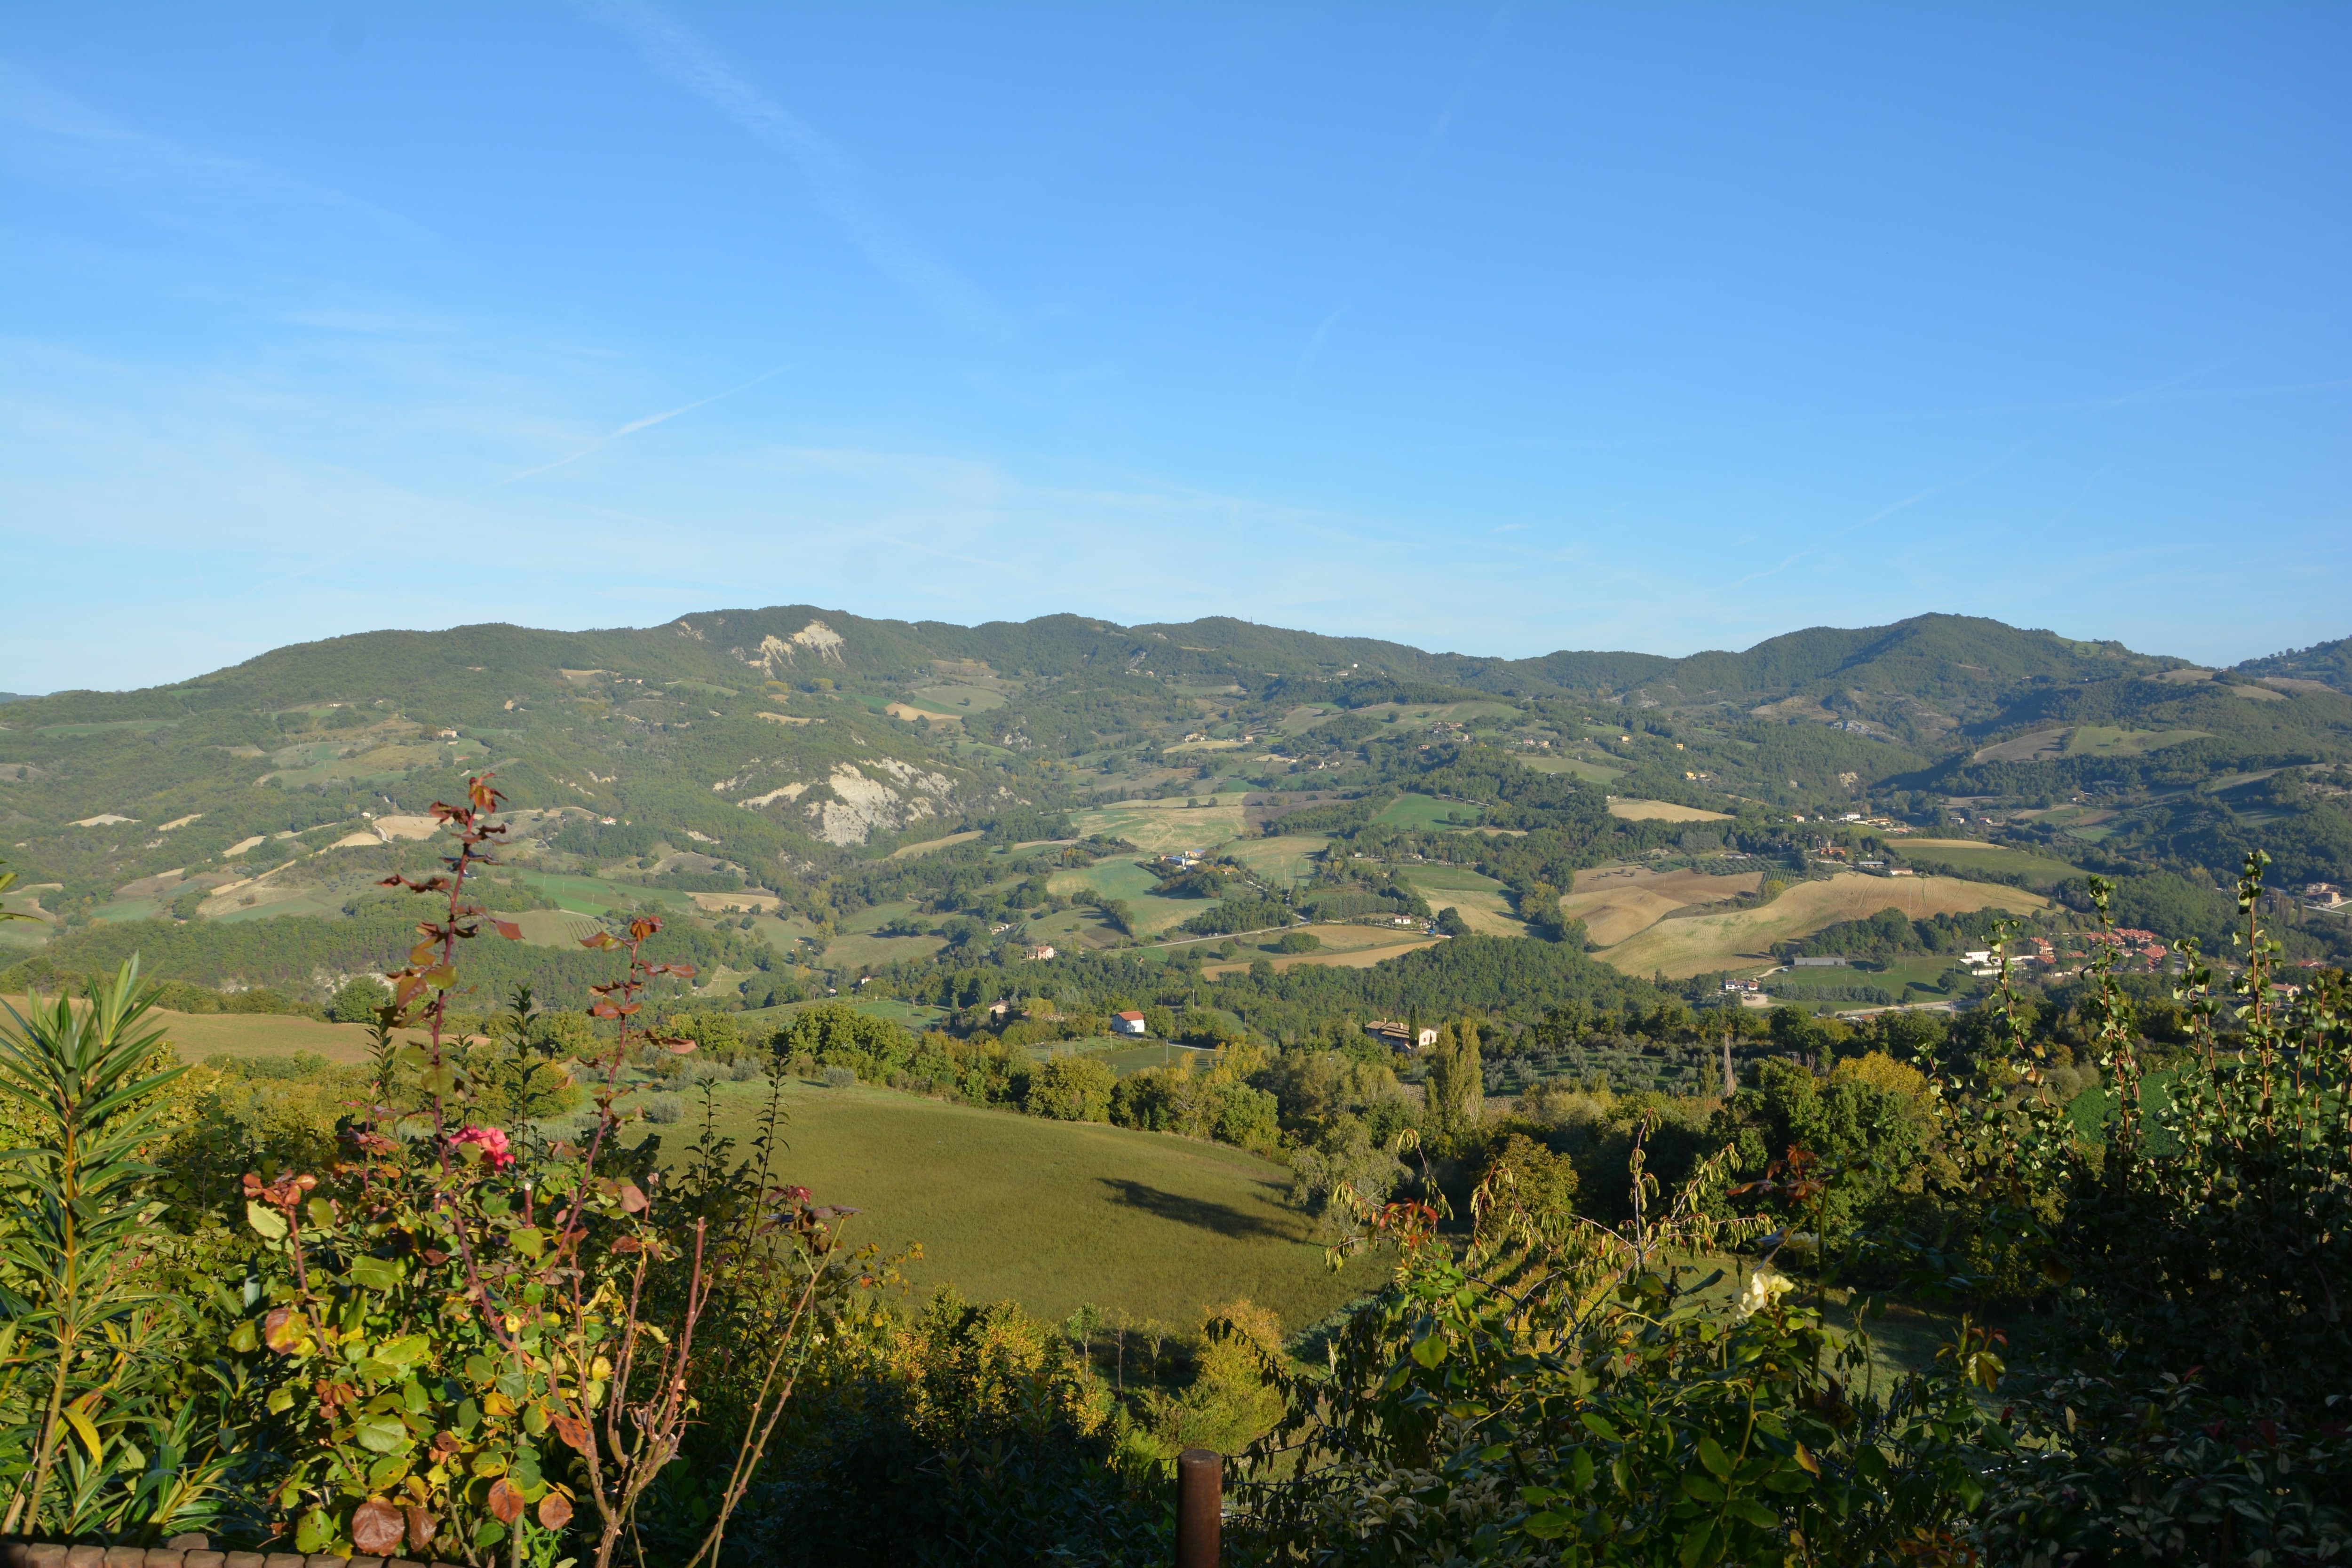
1223 1218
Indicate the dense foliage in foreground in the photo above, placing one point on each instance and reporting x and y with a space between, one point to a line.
454 1335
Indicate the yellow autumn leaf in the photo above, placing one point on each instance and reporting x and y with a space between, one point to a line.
76 1416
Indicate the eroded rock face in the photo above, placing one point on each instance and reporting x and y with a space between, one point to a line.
851 807
775 653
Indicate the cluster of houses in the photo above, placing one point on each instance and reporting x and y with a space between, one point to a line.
2323 896
1751 993
1401 1035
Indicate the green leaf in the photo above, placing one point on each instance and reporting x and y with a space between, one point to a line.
322 1213
266 1222
378 1435
374 1273
1702 1489
1598 1428
1547 1525
1429 1350
316 1532
1754 1512
1580 1470
1711 1455
1694 1548
405 1351
281 1400
245 1338
529 1241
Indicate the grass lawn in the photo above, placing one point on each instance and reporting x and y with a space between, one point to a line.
1412 811
1740 937
1052 1214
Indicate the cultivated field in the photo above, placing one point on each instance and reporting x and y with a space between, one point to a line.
1125 879
595 895
552 928
1052 1214
1478 898
2085 740
196 1036
957 700
2042 870
1618 901
908 852
1590 772
1661 810
1344 947
1739 939
1277 860
1162 827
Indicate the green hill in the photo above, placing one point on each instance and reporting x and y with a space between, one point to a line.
775 754
2329 663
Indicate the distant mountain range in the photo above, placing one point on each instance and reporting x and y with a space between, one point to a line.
794 735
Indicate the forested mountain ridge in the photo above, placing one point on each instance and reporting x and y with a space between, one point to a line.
781 749
2329 663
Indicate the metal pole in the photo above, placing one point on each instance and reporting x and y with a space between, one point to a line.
1200 1486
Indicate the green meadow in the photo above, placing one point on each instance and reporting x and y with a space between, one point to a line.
1427 811
1053 1214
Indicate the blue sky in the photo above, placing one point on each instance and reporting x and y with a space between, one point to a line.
1493 329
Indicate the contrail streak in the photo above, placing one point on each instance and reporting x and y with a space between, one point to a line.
631 428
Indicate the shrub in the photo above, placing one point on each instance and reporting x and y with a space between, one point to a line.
665 1109
839 1076
1070 1089
359 999
301 1064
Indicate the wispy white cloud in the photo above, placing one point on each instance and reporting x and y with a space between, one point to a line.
681 58
49 135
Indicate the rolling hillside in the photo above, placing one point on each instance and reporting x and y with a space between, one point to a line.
768 777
